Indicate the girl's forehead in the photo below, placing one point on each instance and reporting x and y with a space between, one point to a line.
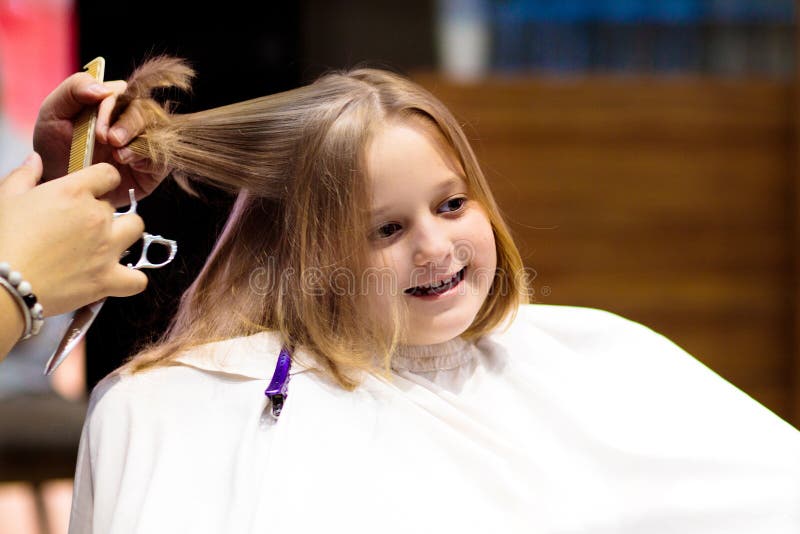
408 169
399 144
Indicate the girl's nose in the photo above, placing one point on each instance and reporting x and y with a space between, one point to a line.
431 245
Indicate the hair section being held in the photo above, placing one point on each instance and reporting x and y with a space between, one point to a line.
248 145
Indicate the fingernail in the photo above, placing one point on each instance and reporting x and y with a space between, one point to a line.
99 89
119 134
125 155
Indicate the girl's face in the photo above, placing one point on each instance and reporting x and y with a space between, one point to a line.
433 241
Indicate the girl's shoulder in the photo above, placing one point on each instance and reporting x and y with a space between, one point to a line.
635 383
590 338
581 328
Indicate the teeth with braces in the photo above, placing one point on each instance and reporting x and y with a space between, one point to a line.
433 287
440 284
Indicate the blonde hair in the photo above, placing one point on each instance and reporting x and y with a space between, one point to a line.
297 161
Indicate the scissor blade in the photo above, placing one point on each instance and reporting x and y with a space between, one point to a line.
81 321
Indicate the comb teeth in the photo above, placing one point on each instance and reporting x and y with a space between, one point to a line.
82 148
80 142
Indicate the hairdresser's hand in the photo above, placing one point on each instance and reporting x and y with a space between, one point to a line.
63 240
53 135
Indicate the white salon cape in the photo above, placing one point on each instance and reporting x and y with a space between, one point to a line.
572 420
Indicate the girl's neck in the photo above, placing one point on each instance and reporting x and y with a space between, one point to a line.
438 357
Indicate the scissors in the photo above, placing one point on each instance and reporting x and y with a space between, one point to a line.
84 316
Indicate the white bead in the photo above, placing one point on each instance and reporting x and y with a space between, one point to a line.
25 288
5 268
37 310
14 278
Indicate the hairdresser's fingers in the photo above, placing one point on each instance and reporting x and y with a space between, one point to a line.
146 184
146 166
23 178
72 96
99 179
129 125
125 231
141 171
106 107
125 155
124 281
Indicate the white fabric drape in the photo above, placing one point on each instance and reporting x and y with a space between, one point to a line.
572 420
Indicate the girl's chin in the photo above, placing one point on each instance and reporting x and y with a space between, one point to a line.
432 333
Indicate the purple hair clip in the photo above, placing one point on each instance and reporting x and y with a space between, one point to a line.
278 389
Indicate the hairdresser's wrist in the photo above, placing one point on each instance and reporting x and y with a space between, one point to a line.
11 314
12 324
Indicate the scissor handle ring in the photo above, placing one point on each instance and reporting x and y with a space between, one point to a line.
150 239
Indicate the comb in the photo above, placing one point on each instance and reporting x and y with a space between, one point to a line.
82 148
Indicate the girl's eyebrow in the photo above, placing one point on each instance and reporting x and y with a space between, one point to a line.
448 183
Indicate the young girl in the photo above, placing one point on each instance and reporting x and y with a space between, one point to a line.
424 394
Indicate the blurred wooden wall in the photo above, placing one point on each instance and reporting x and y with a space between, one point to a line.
668 201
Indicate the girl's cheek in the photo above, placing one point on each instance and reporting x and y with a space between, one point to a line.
477 243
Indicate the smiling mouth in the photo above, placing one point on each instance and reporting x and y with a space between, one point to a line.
438 288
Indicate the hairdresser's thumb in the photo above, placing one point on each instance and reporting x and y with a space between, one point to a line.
23 178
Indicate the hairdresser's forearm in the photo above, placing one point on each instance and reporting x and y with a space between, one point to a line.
11 323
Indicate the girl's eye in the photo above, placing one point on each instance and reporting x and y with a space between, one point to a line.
449 206
454 204
387 230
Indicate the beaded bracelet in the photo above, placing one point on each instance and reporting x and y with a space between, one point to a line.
22 293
